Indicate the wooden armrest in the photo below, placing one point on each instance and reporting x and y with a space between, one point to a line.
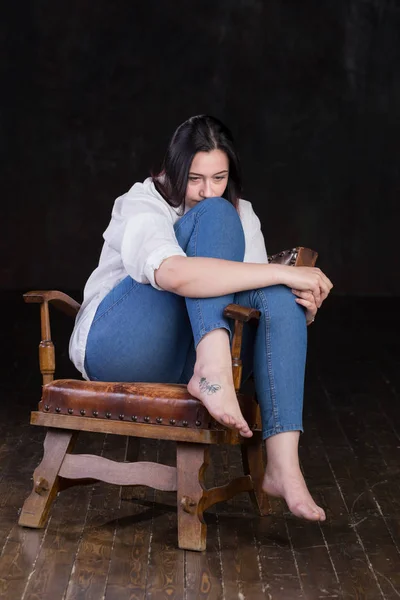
306 257
46 347
58 299
296 257
241 313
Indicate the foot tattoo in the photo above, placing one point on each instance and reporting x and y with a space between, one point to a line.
209 388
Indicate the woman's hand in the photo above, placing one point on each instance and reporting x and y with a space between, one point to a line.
307 279
307 299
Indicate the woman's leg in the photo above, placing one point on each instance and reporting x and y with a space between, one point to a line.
213 229
138 334
276 352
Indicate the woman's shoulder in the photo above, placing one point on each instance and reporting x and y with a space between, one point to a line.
144 189
246 210
142 196
250 221
245 206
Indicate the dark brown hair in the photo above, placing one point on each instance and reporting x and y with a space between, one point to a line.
201 133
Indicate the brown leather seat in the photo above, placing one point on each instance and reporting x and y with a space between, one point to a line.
164 404
161 404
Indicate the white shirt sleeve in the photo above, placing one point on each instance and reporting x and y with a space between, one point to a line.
148 239
255 244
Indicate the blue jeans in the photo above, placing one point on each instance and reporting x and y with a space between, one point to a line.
143 334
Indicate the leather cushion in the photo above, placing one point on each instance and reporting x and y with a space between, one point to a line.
141 402
162 404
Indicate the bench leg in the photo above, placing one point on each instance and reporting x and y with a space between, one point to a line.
254 465
46 481
191 463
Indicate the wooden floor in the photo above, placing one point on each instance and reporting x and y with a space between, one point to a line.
99 546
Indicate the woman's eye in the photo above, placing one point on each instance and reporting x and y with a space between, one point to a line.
219 177
194 179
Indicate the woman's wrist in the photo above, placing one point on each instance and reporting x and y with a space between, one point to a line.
278 274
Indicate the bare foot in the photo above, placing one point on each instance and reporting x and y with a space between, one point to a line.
214 388
293 489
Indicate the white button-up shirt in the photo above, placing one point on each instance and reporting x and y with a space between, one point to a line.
138 239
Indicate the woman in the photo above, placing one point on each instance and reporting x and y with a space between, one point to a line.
179 248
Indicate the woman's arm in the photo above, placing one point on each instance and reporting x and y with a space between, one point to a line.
197 277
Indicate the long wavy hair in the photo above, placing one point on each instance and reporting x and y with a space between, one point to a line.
201 133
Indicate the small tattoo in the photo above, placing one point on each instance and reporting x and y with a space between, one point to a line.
210 388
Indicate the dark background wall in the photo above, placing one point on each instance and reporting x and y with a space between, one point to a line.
92 91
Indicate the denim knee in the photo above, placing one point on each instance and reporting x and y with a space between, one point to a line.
219 206
279 303
212 229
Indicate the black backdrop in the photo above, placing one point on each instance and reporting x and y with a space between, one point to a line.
92 91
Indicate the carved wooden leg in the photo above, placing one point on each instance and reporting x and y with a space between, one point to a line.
253 465
45 478
191 463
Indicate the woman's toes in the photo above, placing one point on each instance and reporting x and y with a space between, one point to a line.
241 426
295 492
246 432
244 428
308 511
304 511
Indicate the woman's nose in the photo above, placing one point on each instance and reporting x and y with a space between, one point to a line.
207 190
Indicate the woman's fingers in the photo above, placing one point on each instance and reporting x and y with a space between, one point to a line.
325 284
312 298
322 286
306 299
316 291
306 304
310 308
305 294
309 305
309 279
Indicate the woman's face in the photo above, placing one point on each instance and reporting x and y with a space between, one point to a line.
208 177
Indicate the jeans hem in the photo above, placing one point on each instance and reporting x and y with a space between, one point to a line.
204 330
281 429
